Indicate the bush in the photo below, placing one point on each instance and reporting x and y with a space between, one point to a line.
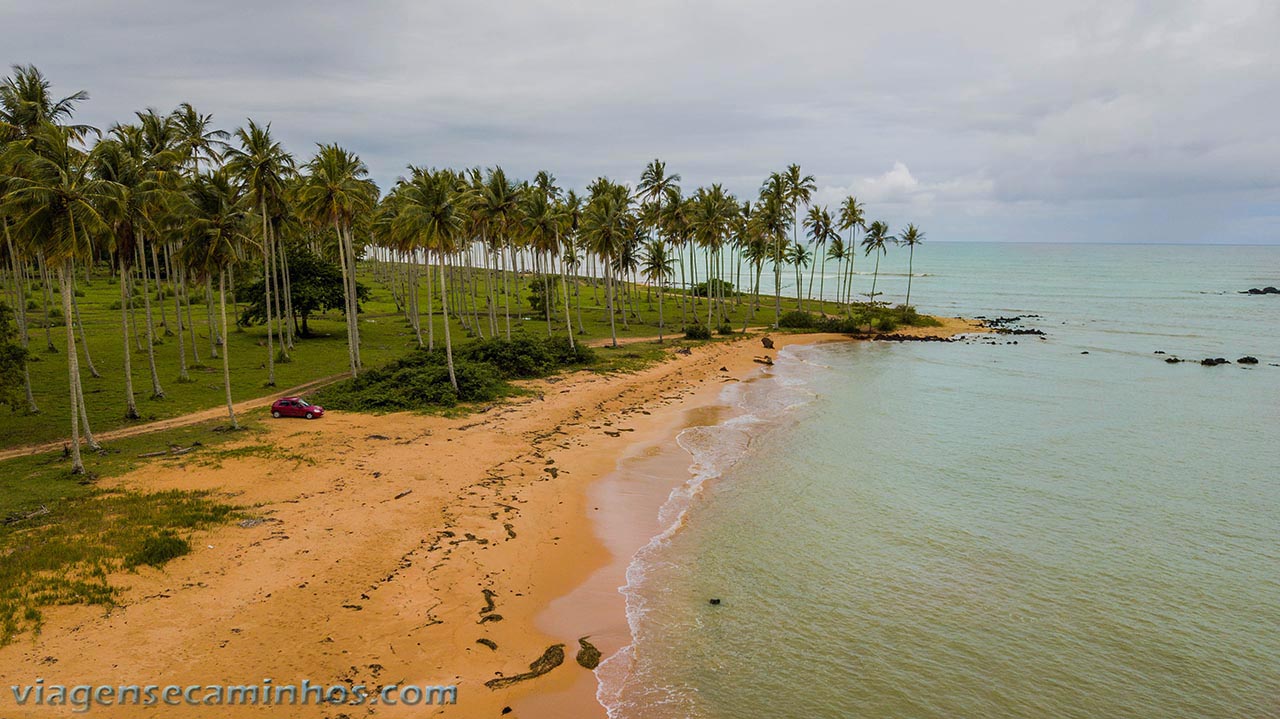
725 329
718 286
697 332
78 292
796 319
115 305
421 379
158 549
32 305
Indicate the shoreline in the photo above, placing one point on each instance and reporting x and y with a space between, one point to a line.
382 549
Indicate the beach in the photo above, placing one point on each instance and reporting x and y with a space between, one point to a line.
380 549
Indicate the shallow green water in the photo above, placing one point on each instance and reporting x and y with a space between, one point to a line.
966 530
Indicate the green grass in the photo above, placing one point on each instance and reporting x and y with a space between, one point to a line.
385 336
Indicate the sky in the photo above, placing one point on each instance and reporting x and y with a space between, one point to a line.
1004 120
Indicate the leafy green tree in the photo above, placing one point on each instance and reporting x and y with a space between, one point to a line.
315 285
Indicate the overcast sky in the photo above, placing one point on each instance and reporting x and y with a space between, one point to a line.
985 119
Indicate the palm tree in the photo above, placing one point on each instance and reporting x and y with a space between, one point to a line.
801 258
821 229
605 229
334 191
217 229
910 237
54 199
852 219
432 206
772 217
26 103
799 190
877 236
658 267
836 251
498 204
262 164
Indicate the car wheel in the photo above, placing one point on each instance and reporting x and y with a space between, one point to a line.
275 413
310 416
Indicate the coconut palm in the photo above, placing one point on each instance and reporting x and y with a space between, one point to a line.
261 163
54 200
800 257
910 237
432 205
216 233
773 216
877 236
658 267
821 229
605 228
799 190
851 220
336 190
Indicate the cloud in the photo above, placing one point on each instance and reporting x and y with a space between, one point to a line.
1029 118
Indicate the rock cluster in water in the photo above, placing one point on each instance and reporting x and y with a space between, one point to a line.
1004 325
1262 291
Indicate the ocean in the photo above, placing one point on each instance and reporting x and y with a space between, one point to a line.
1062 527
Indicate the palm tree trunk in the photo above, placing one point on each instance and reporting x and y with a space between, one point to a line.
73 370
156 391
822 283
608 279
564 290
431 324
353 317
777 281
660 284
266 303
226 351
342 260
874 276
448 341
290 323
155 266
45 285
213 325
131 405
506 291
88 360
911 258
182 343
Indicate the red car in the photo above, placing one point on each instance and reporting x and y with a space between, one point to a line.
295 407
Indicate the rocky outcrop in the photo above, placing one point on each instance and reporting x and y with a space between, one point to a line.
1261 291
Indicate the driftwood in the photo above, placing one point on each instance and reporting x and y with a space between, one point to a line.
172 451
23 516
762 360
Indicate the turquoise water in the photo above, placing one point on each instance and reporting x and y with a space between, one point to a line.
967 530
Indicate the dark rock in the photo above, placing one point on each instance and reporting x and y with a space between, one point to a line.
588 656
1085 352
724 369
715 601
1173 360
767 342
1159 352
1214 361
1247 359
506 710
1263 291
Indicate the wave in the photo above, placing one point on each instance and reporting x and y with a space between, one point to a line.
714 450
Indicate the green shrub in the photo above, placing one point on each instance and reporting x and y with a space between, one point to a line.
796 319
158 549
421 379
725 329
32 305
78 292
718 287
697 332
115 305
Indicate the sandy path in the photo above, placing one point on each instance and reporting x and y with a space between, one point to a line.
376 546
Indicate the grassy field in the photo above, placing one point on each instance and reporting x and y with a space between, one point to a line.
385 335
